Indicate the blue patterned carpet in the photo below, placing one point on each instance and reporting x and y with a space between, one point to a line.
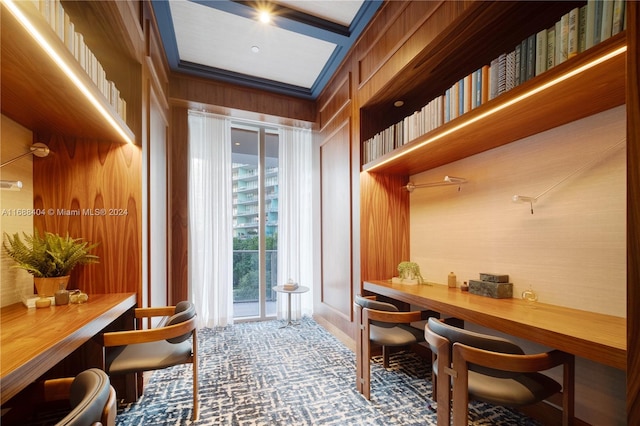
261 374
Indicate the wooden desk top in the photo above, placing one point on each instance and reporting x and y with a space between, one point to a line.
598 337
32 341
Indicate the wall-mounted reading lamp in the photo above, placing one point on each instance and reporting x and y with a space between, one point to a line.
531 200
448 180
38 149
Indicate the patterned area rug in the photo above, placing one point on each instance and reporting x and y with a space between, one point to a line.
261 374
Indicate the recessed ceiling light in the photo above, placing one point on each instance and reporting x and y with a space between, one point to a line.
265 17
398 103
255 49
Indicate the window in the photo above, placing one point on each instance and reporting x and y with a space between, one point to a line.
255 220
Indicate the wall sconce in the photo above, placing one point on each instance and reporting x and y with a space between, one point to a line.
531 200
448 180
12 185
38 149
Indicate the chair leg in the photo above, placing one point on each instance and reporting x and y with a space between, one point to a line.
196 402
366 363
568 392
385 357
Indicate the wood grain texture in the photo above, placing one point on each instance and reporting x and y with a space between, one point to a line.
200 93
335 173
384 225
598 337
35 340
92 190
633 213
47 101
597 89
178 205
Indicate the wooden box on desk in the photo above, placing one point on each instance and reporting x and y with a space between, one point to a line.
491 289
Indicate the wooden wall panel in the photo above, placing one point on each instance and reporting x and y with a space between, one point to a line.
198 93
178 201
335 173
335 103
92 190
384 224
633 214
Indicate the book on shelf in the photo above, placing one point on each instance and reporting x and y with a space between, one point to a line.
541 52
551 47
573 33
607 20
60 22
617 24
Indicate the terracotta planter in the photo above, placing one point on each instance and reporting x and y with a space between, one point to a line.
47 287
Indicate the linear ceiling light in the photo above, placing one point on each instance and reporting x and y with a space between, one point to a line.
504 105
55 56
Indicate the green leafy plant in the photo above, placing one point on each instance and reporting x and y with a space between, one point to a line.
410 271
48 255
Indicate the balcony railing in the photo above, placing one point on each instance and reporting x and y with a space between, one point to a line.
246 282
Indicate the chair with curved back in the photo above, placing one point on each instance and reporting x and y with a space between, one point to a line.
383 324
172 343
90 396
492 370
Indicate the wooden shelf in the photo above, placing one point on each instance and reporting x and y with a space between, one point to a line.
36 92
513 115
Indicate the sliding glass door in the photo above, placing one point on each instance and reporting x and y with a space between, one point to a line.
255 221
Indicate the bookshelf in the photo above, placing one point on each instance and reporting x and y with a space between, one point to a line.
583 85
40 95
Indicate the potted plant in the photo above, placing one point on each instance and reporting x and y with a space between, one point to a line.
409 273
49 257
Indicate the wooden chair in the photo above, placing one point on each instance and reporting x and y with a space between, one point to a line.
492 370
383 324
173 343
91 398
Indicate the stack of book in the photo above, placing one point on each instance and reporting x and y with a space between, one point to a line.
290 285
576 31
58 19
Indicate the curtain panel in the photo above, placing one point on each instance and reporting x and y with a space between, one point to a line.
295 256
210 219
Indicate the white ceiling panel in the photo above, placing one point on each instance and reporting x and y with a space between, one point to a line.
223 40
295 54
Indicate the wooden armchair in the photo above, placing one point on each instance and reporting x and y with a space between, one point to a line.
91 398
383 324
492 370
173 343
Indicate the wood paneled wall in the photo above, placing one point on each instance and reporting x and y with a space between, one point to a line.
179 190
633 214
237 101
91 189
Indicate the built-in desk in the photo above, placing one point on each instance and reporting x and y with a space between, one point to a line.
32 341
598 337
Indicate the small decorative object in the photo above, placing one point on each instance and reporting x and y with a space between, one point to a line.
408 273
290 285
62 296
50 258
530 295
451 280
77 297
492 285
464 287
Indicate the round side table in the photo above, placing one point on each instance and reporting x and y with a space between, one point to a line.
299 290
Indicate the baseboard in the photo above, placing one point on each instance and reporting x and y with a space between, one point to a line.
348 341
547 413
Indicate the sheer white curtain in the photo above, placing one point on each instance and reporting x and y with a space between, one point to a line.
295 256
210 219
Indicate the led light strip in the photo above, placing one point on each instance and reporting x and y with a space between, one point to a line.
53 54
513 101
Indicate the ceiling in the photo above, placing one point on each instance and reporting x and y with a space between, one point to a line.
296 53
